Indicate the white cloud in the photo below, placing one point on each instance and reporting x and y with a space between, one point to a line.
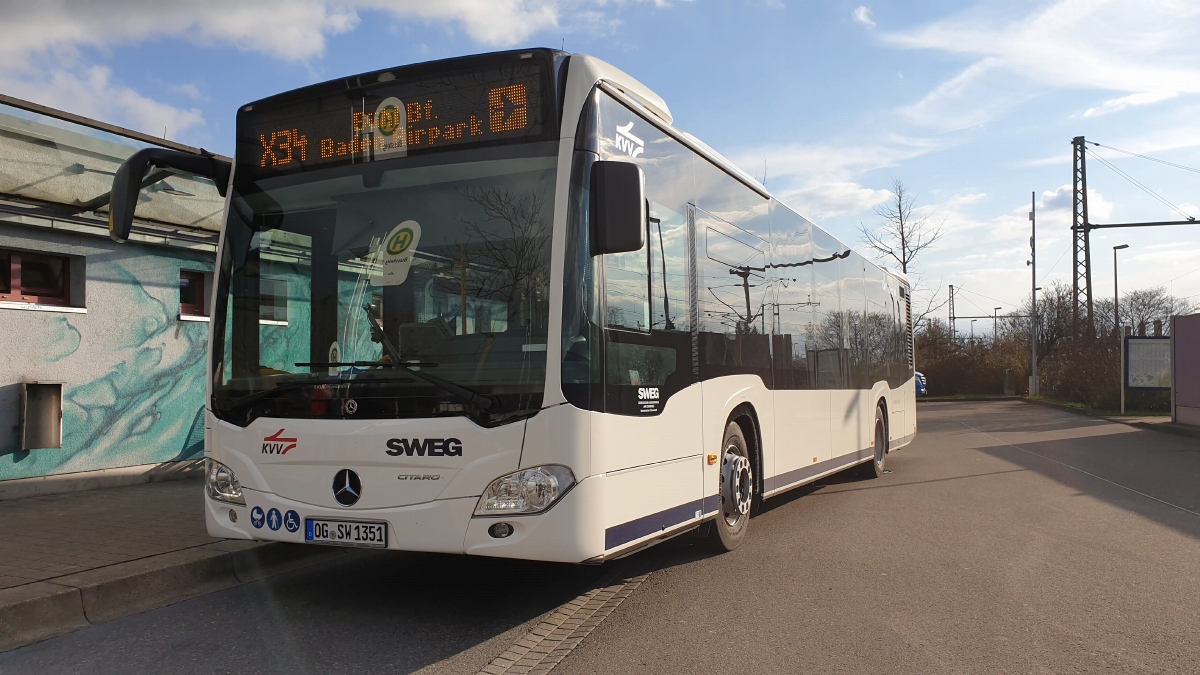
189 90
92 93
832 162
821 180
828 200
40 57
1062 199
292 30
1143 51
1118 104
863 15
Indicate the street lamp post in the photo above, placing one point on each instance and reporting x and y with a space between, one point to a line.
1117 323
973 330
1033 374
995 323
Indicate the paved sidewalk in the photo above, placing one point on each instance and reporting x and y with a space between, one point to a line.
69 561
46 537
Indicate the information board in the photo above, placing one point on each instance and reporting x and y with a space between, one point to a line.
1147 363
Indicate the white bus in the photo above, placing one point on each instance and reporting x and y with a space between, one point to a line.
498 305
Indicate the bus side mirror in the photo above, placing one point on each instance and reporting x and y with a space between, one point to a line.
618 207
131 178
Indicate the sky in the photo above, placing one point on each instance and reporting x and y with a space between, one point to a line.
972 105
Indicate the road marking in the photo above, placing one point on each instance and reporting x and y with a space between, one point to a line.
554 637
1086 473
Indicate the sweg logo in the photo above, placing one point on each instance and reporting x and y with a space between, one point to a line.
433 447
628 143
647 393
276 444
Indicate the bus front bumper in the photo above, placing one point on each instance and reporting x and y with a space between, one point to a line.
570 531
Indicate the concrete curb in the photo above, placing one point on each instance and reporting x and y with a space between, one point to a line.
1168 428
46 609
1174 428
42 486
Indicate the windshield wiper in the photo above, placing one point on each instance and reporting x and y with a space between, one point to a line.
290 385
482 401
279 388
347 364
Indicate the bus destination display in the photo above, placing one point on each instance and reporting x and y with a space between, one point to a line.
395 118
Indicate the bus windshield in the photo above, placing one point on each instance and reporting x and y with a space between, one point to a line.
417 287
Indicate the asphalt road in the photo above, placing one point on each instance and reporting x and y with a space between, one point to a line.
1008 538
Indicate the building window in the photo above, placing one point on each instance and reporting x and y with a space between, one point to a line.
191 293
273 302
35 278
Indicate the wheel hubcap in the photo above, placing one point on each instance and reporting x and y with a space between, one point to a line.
737 485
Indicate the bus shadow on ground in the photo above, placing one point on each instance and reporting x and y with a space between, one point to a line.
1158 484
377 611
1146 472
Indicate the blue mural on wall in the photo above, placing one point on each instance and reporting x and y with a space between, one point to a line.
134 372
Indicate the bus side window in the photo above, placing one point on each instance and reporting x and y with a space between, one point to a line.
854 316
825 337
791 239
647 304
733 275
627 290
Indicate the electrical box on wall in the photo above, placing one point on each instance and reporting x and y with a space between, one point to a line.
41 415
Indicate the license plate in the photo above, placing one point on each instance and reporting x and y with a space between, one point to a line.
346 533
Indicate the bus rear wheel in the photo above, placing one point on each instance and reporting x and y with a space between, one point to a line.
736 492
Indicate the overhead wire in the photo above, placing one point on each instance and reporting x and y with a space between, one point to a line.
981 310
1152 159
1142 187
1047 274
1178 277
1003 302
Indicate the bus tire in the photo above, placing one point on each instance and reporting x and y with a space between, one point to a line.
736 491
874 468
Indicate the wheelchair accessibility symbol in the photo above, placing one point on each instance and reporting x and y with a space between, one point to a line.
291 520
257 517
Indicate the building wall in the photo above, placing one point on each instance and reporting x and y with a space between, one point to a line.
133 371
1185 332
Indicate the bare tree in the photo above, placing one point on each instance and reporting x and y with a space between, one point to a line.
901 236
507 246
1145 306
933 301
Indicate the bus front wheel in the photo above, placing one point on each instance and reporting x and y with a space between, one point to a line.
874 469
736 491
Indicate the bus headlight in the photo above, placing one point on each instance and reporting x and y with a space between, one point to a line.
222 485
530 490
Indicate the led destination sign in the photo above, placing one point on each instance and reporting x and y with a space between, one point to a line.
395 118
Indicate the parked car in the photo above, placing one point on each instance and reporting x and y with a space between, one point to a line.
921 391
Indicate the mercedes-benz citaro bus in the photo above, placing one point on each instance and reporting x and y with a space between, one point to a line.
498 305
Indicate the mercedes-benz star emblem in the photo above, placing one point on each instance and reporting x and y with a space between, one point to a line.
347 488
351 406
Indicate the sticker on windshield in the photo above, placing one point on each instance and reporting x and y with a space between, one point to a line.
389 129
627 143
396 254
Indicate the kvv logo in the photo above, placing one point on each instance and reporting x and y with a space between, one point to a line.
628 143
647 393
431 447
276 444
